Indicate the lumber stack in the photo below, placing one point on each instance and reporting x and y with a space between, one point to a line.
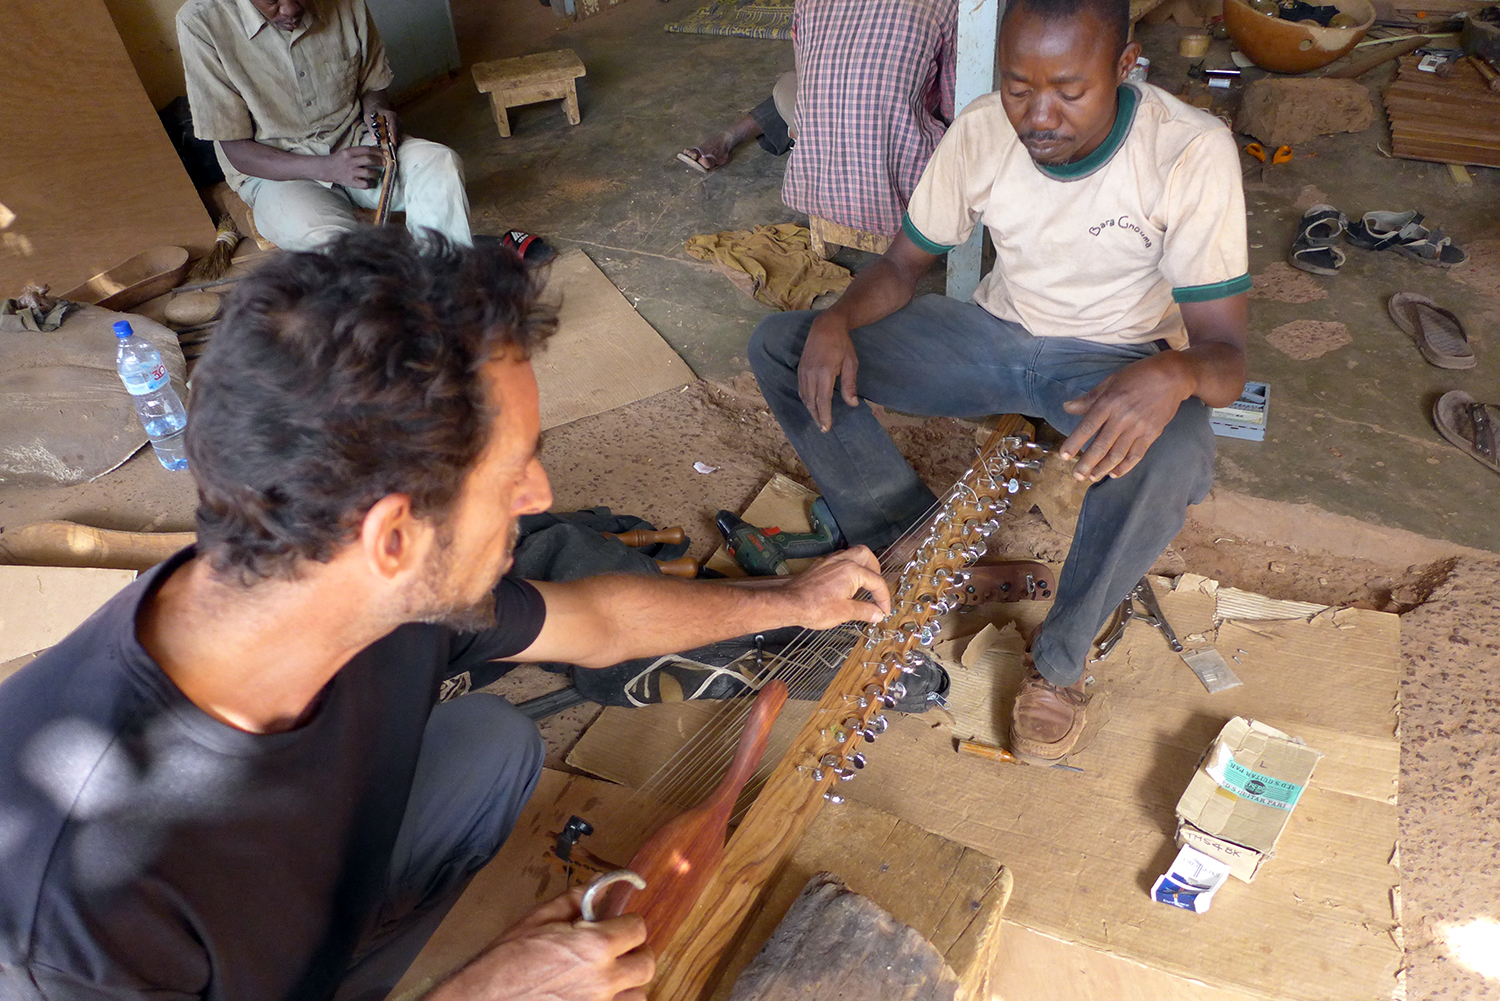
1453 119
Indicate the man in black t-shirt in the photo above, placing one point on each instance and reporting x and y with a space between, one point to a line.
233 782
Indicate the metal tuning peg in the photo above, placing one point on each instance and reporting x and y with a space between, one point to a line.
833 797
853 726
1027 463
828 761
876 727
894 694
857 759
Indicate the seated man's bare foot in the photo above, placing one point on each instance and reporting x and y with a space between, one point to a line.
707 156
713 153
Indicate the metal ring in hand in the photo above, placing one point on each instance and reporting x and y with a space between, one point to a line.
601 885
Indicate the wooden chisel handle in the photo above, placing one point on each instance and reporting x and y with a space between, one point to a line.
640 537
1490 76
683 566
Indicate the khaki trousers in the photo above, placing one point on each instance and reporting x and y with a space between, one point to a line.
304 215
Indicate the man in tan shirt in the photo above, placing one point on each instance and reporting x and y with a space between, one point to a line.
1115 311
288 91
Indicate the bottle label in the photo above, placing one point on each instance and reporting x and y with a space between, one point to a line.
145 380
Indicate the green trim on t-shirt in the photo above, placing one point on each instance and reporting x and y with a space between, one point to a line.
1208 293
910 229
1127 100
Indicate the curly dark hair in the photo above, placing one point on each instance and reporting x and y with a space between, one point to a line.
338 377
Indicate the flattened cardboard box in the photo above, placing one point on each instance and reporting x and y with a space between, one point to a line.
1240 798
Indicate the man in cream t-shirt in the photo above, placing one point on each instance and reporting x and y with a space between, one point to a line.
1115 311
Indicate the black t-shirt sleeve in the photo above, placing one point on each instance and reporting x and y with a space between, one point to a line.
519 613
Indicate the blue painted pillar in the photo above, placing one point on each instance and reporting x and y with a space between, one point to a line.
978 25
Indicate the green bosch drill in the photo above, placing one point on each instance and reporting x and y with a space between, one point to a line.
763 552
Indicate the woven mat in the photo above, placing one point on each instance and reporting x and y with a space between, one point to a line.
745 18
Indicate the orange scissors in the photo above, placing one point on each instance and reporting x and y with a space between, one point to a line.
1283 154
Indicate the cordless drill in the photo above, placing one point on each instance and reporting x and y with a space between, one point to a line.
763 552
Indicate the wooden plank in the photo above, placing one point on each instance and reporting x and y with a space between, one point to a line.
86 169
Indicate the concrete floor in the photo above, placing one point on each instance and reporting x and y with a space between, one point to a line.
1350 431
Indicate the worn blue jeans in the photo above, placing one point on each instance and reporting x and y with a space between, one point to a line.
480 760
944 358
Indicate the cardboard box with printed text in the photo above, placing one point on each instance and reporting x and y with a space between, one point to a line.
1240 798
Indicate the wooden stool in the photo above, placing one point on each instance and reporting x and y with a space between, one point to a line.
546 76
825 233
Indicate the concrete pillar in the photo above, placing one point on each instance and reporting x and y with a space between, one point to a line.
978 26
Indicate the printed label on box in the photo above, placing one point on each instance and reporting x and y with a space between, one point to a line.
1255 787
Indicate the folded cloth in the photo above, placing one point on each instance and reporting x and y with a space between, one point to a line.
774 264
35 311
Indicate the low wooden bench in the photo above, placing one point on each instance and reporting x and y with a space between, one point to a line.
546 76
826 234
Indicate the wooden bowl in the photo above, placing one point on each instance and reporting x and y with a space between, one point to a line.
1289 47
145 276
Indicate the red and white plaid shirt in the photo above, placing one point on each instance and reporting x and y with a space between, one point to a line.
874 96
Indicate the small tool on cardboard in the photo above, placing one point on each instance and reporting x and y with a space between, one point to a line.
763 552
978 750
1151 615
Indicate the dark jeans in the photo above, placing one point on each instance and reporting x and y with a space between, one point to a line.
942 357
774 137
479 763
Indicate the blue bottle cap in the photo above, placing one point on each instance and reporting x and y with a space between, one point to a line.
122 329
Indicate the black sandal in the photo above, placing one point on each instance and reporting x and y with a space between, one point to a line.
1313 250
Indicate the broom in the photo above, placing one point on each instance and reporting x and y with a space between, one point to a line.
213 264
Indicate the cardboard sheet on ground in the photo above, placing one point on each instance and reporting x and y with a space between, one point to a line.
67 419
781 502
41 605
603 354
1085 847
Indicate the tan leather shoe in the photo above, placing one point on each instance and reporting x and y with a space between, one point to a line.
1047 720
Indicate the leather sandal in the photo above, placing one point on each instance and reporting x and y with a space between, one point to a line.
1047 719
1471 426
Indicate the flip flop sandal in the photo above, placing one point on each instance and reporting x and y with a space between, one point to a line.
528 246
1469 425
1379 230
1316 260
1438 333
690 156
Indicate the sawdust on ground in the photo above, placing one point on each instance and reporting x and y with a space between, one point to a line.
1304 340
1482 270
1283 283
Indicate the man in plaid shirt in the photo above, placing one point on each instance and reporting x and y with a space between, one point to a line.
871 98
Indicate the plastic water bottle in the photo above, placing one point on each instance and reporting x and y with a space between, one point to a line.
156 402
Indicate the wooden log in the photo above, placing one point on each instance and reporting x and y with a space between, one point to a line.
66 544
1365 64
835 943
